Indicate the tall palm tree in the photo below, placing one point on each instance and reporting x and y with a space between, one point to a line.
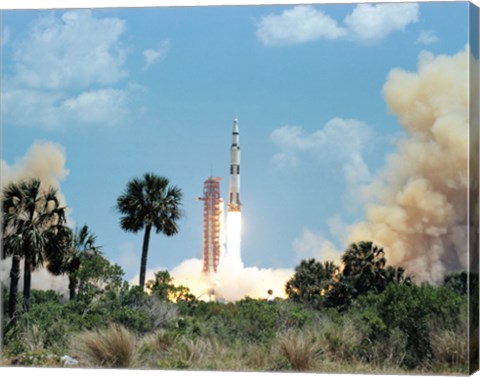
150 202
31 220
12 248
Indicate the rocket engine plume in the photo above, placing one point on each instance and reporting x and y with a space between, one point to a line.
418 209
234 231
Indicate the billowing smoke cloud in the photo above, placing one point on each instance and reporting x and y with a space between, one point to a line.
232 281
46 161
417 207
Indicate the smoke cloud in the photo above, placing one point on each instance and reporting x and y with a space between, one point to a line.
44 160
41 278
232 281
417 207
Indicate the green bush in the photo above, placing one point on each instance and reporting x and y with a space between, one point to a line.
412 310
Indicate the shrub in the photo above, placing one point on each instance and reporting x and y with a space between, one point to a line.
112 347
299 349
410 309
43 327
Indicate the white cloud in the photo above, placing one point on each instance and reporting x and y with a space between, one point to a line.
75 50
370 22
297 25
339 144
427 37
339 141
367 22
97 106
68 70
154 56
314 245
52 110
285 160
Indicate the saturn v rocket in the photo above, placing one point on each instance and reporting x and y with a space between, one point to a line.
234 183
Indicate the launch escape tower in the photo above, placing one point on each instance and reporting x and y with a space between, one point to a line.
212 218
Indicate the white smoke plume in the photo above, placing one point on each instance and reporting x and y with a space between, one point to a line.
231 282
46 161
417 207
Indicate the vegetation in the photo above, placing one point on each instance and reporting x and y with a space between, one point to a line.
367 317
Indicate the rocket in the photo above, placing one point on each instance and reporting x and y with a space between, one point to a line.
234 183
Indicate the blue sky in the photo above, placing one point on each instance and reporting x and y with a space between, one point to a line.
129 91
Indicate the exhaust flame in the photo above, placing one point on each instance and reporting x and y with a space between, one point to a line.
234 234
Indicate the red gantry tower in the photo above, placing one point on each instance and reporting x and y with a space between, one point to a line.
212 224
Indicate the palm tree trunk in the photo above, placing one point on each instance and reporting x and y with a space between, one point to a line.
143 263
72 286
12 298
27 279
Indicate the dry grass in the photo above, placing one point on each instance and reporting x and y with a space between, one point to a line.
300 350
450 347
159 341
258 357
33 338
193 351
112 347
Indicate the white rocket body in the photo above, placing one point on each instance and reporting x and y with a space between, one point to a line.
234 183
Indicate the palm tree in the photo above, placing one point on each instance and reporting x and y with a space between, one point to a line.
396 275
11 248
364 265
150 202
31 220
73 249
82 246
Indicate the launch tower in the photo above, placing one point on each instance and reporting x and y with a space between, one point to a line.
212 224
